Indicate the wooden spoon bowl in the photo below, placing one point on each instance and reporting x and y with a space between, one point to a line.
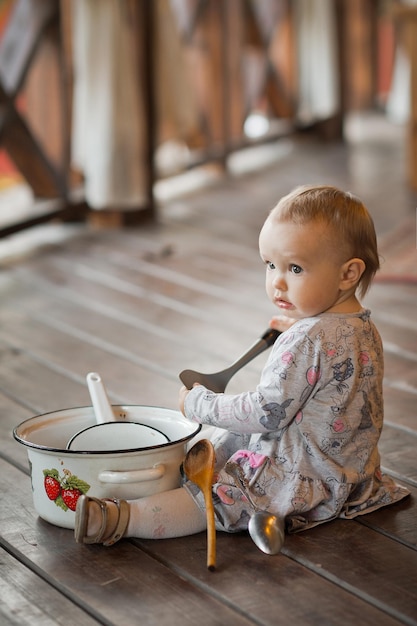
199 468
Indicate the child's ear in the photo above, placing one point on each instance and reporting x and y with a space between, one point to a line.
352 271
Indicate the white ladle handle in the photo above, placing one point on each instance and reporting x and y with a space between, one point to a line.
102 407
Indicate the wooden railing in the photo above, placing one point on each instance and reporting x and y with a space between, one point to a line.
207 66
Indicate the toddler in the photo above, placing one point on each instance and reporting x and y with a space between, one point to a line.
306 439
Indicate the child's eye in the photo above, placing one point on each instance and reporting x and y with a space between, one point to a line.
270 265
295 269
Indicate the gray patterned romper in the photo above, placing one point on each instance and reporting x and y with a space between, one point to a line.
306 439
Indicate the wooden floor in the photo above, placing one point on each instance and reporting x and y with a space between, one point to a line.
139 306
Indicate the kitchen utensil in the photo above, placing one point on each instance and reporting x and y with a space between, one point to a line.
58 473
109 434
218 381
199 468
116 436
265 529
101 404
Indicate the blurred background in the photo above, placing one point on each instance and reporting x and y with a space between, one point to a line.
107 105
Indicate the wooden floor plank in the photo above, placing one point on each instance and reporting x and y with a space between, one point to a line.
27 600
400 407
386 570
288 583
168 312
131 379
254 585
150 593
398 452
12 414
139 305
34 384
398 521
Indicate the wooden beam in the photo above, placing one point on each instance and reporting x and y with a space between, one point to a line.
18 45
27 155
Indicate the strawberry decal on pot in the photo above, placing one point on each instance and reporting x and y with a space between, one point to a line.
70 497
52 484
64 490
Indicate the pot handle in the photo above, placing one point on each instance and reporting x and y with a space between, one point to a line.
132 476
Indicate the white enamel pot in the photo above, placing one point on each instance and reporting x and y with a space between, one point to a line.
59 474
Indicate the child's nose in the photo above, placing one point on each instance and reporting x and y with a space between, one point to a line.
279 282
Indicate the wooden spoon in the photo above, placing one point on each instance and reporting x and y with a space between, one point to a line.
199 468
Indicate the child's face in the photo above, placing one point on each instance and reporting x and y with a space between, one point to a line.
304 268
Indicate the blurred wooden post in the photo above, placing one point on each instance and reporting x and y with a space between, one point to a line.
406 17
30 24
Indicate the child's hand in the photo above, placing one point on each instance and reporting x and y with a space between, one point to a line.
183 394
281 323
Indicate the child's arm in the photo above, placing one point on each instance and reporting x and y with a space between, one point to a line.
288 379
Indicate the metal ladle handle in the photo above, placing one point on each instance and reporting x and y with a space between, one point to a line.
236 472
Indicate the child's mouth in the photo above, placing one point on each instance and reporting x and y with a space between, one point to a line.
283 304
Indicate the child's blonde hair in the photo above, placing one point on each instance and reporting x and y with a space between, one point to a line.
344 213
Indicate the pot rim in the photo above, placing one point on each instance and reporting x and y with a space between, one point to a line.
65 451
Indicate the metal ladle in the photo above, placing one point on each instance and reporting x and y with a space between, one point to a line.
110 433
101 405
266 529
217 382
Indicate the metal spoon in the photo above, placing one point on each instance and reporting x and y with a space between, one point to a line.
265 529
217 382
199 468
